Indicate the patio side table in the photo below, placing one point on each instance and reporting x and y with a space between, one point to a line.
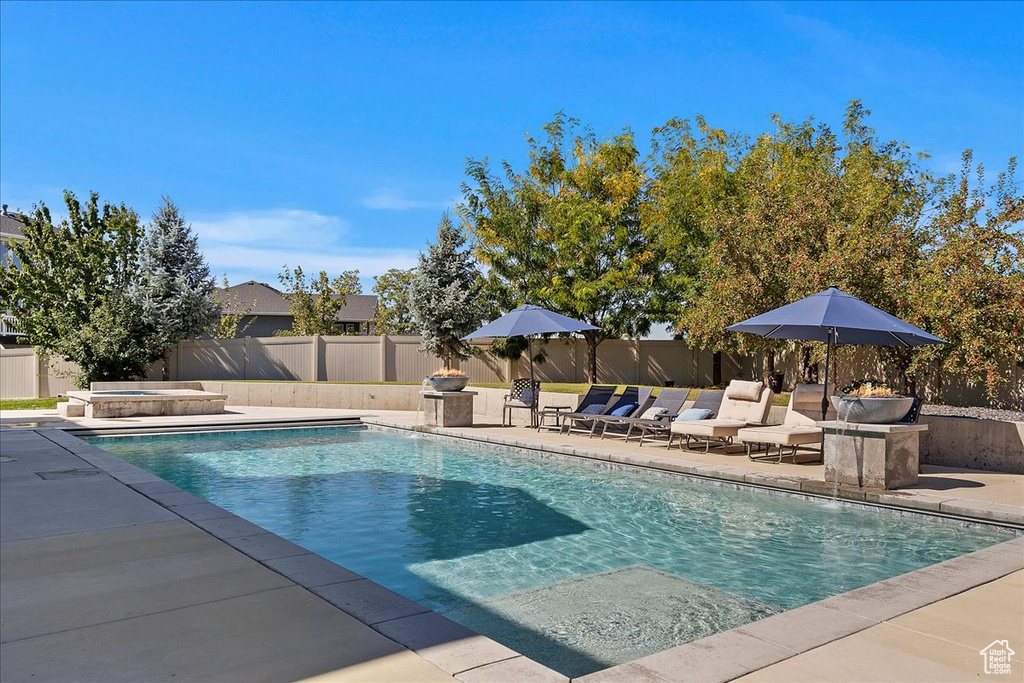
551 412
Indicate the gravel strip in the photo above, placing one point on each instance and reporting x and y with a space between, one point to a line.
978 413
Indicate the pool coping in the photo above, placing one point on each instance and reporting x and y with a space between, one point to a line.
472 657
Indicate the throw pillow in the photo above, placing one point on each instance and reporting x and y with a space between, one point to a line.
593 409
624 410
653 413
527 396
693 414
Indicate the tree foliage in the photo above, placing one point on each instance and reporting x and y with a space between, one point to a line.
315 303
233 311
70 292
445 295
394 306
175 289
969 286
567 233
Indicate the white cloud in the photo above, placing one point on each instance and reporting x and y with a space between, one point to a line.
256 245
294 227
390 199
369 262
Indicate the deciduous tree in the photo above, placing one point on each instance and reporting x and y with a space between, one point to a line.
70 289
567 233
315 303
394 307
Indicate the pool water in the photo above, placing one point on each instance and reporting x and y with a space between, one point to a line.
577 566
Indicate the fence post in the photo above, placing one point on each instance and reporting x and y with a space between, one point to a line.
245 358
315 372
382 349
40 367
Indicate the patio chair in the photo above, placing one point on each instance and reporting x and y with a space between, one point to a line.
745 404
652 420
617 419
525 393
597 395
583 420
798 429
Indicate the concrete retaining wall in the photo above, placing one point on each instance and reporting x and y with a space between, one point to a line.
977 444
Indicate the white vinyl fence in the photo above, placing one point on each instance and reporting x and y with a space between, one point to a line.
23 374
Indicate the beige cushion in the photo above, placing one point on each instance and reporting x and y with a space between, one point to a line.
746 411
744 391
718 427
653 413
780 435
805 406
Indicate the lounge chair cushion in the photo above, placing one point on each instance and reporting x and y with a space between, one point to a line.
739 390
780 435
653 413
625 409
718 428
592 409
754 413
693 414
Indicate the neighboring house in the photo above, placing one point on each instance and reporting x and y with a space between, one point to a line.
11 228
268 310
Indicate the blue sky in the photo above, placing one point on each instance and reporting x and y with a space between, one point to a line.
333 135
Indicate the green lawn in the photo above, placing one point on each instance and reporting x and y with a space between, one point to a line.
30 403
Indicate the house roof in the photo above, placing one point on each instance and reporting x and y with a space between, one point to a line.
265 300
10 225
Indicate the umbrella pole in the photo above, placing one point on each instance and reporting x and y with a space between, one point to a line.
824 390
536 398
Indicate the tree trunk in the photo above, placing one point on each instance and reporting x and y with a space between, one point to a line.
592 341
808 370
165 371
769 360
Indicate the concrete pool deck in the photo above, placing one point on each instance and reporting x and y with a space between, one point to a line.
110 562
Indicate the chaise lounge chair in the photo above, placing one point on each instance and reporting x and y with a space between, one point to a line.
583 420
617 419
745 404
598 395
655 419
798 429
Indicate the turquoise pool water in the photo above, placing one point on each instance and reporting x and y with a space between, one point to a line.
577 566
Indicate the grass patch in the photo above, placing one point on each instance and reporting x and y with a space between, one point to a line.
30 403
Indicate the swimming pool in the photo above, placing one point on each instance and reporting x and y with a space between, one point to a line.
577 566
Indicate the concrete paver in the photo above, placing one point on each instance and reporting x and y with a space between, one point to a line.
284 634
73 580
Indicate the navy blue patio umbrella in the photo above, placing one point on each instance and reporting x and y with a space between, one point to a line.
835 317
527 321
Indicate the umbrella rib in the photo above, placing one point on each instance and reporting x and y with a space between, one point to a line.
905 344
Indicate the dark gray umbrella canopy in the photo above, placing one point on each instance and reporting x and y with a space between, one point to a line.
528 320
835 317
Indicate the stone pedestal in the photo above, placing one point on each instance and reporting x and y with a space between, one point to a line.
448 408
877 456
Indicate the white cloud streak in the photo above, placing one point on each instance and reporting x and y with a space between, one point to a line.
255 245
390 199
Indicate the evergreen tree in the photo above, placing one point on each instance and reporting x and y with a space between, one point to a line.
445 295
175 290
